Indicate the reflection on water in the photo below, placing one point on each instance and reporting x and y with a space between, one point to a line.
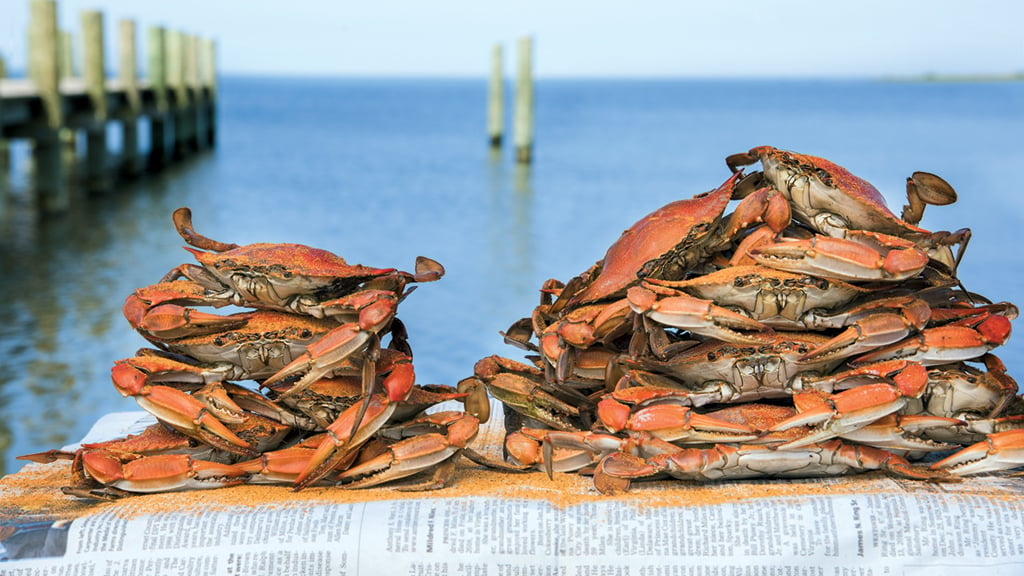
64 279
381 171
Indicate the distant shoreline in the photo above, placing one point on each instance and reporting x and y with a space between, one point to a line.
1016 77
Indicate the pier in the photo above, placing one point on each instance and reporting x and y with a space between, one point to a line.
53 107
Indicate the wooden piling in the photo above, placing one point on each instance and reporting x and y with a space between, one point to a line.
156 44
175 53
46 152
197 112
524 102
94 73
209 80
67 56
5 149
128 74
496 99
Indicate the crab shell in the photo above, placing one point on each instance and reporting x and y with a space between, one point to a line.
828 197
273 274
670 239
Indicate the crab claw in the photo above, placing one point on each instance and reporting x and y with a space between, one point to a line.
525 396
417 454
699 316
175 408
945 344
160 473
341 443
321 357
999 451
904 433
837 414
861 256
171 322
675 423
873 331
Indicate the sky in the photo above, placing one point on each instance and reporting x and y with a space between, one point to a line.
573 38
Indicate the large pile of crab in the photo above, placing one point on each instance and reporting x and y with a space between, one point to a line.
809 332
325 403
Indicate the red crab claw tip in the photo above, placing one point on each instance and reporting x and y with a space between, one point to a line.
995 329
127 379
612 414
399 383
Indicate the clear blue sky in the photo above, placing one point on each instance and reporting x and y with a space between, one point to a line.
790 38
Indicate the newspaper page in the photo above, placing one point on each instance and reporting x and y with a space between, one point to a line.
885 527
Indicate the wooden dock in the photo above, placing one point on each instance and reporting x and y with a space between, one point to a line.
54 107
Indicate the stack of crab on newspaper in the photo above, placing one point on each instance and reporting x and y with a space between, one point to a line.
329 404
809 332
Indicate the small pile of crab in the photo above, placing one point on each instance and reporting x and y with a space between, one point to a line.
326 403
809 332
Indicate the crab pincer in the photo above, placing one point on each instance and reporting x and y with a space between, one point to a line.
836 414
181 411
341 442
999 451
418 453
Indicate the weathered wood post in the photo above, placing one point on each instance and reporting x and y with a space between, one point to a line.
197 112
68 136
46 156
209 80
5 150
67 56
94 72
156 44
179 92
496 99
524 102
128 73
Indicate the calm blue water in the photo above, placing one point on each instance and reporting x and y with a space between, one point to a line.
380 171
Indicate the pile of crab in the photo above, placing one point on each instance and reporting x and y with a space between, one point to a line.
325 403
809 332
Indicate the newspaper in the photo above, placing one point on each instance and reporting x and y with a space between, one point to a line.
970 528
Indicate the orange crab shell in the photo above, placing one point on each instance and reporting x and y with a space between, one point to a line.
301 261
655 235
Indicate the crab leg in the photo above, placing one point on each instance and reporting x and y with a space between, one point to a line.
725 462
999 451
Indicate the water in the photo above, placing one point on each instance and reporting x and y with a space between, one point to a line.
380 171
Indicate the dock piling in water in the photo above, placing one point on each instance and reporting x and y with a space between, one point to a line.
524 102
94 72
128 73
52 105
496 99
157 51
46 149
